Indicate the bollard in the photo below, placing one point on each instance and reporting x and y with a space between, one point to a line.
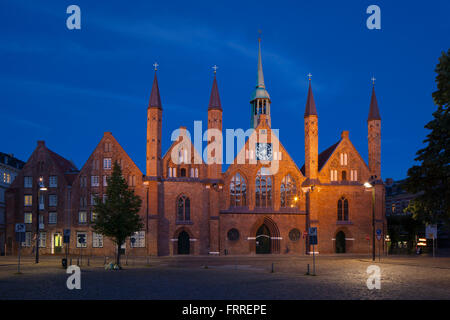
88 262
272 269
307 269
126 260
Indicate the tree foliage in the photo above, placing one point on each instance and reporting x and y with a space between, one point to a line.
430 178
117 217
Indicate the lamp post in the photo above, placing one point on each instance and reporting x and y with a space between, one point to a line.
371 186
40 188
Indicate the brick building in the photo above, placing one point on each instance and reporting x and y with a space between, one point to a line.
262 203
9 169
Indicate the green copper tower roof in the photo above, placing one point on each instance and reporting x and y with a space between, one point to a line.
260 91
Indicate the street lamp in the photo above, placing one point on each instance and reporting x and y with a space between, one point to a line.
41 188
371 186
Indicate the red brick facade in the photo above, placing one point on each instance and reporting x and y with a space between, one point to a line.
193 207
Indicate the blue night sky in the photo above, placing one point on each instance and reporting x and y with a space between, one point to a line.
67 87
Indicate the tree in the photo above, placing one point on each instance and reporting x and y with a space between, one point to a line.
117 217
430 178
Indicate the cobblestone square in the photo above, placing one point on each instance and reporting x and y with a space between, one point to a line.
229 277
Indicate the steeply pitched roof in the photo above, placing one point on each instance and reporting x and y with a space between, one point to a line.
155 99
214 100
374 113
310 108
65 165
324 156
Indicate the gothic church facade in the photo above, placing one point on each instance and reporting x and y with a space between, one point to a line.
193 207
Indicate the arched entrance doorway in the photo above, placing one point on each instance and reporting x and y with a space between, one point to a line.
183 243
263 242
340 242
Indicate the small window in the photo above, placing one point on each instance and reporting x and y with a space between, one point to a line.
28 218
344 175
82 217
94 181
107 163
53 181
342 209
137 240
196 172
183 172
81 239
28 182
333 175
93 196
52 218
52 200
93 216
97 240
27 242
294 235
42 239
28 200
183 209
353 175
105 181
344 158
233 234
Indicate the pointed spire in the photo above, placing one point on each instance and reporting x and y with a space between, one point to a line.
260 91
260 80
374 113
155 99
310 108
214 100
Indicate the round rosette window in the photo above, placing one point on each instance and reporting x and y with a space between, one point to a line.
233 234
294 235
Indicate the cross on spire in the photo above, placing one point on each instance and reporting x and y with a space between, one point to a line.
215 68
309 76
373 80
156 65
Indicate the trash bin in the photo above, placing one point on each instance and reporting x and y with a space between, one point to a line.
64 263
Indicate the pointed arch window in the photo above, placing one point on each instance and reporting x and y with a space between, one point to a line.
288 192
238 191
263 186
344 175
183 209
342 212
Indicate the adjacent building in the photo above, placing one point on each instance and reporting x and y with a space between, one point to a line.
9 169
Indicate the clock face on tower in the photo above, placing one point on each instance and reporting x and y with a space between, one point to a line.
264 151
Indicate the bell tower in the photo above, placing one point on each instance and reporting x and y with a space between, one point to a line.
311 136
374 136
260 103
154 126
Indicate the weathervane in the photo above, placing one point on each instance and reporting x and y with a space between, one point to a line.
156 65
309 76
215 68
